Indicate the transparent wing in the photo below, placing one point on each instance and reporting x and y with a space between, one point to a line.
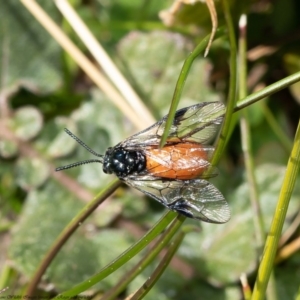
195 198
198 123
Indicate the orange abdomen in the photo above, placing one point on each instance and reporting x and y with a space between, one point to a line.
180 161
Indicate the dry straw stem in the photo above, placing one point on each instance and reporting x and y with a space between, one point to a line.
104 60
288 250
89 68
214 19
290 230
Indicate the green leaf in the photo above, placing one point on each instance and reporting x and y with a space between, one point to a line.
27 122
61 144
31 172
153 61
98 125
32 58
196 287
287 279
42 220
8 149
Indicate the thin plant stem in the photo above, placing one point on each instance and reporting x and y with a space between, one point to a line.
5 275
231 99
105 61
245 287
298 294
246 138
214 20
288 250
290 230
83 62
142 292
181 82
248 157
282 136
122 259
271 245
267 91
145 261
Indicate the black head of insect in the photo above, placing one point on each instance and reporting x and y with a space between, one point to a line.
116 160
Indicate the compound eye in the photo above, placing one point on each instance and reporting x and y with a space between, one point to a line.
107 168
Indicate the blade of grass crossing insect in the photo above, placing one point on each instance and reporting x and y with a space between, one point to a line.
181 81
231 102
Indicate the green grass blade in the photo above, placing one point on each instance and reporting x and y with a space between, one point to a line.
181 82
231 99
146 260
271 245
142 292
122 259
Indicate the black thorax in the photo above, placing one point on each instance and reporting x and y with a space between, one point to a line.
123 162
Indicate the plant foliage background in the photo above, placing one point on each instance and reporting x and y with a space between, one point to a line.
43 91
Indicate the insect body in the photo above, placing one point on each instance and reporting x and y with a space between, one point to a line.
180 161
176 174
